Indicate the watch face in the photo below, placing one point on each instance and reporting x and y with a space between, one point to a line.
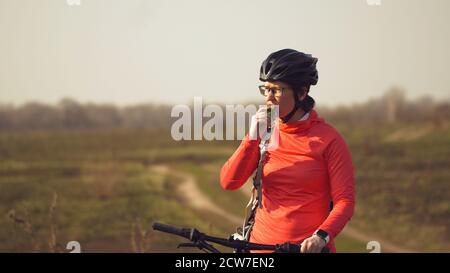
322 233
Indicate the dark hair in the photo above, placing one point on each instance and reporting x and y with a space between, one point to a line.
308 102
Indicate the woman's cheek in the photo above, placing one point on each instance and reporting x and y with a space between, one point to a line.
285 108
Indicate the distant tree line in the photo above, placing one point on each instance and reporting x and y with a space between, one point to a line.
68 113
392 107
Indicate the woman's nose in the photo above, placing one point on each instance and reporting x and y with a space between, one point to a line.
270 97
270 94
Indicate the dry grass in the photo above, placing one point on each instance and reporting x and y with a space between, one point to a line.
140 237
24 223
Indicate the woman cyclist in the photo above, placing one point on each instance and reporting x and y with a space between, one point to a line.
310 168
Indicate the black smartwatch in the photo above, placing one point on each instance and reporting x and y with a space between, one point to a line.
323 235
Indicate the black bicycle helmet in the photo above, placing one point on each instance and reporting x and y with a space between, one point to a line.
291 67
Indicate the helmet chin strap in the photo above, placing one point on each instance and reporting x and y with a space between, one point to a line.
292 113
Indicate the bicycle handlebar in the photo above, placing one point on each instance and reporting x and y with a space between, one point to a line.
200 241
183 232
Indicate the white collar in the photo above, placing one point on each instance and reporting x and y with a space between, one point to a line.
305 117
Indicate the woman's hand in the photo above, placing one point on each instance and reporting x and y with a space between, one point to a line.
258 124
313 244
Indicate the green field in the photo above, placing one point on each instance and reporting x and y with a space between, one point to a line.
96 186
107 196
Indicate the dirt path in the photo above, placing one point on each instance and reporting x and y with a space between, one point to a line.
189 190
409 134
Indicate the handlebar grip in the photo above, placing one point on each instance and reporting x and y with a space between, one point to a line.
287 248
325 250
295 248
183 232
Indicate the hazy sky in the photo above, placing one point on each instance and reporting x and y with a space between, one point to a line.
133 51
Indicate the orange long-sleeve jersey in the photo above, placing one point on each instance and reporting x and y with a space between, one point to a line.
310 167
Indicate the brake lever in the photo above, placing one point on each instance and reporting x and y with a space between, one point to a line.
200 245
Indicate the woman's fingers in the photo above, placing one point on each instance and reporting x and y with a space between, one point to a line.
303 249
311 245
